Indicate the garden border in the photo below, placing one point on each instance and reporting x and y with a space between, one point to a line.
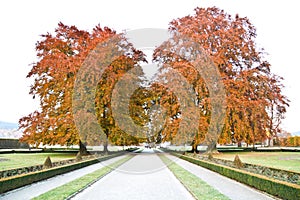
10 183
274 187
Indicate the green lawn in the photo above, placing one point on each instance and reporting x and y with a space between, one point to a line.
281 160
197 187
16 160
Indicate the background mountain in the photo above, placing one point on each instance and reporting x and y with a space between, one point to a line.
296 133
9 130
8 125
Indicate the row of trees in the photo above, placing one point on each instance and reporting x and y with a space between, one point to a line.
255 104
290 141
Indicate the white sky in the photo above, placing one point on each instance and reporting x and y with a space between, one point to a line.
23 21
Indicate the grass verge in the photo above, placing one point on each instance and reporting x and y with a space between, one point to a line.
138 150
197 187
71 188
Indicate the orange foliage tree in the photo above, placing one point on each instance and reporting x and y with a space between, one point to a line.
60 56
254 96
155 108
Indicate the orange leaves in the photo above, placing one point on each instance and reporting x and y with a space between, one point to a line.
61 55
254 95
249 84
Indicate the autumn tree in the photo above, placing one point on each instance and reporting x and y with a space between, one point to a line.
277 106
115 80
229 43
60 57
154 107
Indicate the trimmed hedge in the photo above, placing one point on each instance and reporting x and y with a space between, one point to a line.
12 144
15 182
277 188
278 174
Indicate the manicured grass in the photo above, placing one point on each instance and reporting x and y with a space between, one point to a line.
138 150
16 160
198 188
281 160
68 189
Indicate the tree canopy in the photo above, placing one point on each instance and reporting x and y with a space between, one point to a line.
234 97
254 100
60 56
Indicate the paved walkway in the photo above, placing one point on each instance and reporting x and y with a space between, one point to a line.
144 176
36 189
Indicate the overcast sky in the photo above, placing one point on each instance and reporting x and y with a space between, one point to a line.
23 21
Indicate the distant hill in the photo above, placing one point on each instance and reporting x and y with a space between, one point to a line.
8 125
9 130
296 133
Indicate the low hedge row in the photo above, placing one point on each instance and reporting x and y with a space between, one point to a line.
15 182
278 174
277 188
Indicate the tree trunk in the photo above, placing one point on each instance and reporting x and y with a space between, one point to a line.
239 144
105 145
212 148
194 149
277 140
82 149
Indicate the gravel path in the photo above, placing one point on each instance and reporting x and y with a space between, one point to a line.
145 176
230 188
36 189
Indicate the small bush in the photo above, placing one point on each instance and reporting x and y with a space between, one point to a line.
47 163
237 162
